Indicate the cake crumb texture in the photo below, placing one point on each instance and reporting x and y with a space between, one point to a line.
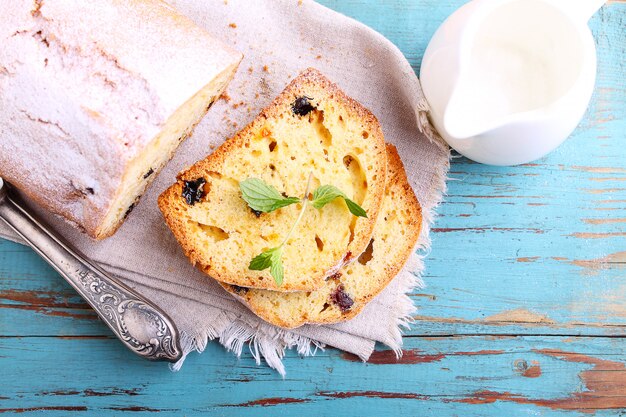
348 291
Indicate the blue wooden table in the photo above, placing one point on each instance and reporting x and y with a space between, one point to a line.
524 311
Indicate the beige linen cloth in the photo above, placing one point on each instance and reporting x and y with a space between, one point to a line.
279 39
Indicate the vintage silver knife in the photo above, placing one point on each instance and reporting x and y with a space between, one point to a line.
138 323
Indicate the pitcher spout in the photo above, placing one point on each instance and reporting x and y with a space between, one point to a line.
460 121
479 102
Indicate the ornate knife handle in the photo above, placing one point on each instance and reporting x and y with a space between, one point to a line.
137 322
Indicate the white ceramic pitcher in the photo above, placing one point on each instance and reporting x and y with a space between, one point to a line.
509 80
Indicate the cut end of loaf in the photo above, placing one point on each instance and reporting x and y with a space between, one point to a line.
159 151
90 116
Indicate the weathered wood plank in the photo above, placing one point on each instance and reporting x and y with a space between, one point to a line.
446 376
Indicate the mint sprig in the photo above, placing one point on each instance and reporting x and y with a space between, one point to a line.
271 258
261 196
327 193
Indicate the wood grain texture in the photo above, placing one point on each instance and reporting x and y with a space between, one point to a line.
524 312
471 375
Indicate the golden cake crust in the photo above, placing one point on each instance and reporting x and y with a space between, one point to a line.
230 163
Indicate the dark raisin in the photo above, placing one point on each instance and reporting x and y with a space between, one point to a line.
302 106
239 290
256 212
129 210
193 191
89 190
147 174
341 299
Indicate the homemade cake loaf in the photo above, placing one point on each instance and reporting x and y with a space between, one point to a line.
95 96
345 294
312 127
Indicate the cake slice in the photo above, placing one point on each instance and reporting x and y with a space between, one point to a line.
311 129
345 294
95 98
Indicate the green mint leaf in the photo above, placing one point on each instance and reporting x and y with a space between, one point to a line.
327 193
261 196
277 271
261 261
355 208
271 258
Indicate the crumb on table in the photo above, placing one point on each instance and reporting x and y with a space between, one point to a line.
232 25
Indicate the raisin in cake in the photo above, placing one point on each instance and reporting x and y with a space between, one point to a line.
345 294
312 127
95 98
